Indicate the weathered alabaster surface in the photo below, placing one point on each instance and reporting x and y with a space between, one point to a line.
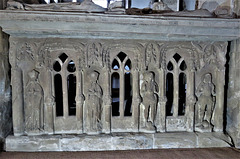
77 86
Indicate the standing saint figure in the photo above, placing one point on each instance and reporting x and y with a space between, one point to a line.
34 104
149 98
94 102
205 104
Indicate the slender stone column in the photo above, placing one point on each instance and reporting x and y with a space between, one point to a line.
65 92
176 92
79 100
161 108
17 101
17 91
48 108
219 106
190 101
106 110
136 98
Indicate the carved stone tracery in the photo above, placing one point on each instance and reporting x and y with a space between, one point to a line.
148 69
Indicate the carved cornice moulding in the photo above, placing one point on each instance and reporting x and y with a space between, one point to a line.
106 26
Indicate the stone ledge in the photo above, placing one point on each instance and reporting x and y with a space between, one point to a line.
116 141
104 26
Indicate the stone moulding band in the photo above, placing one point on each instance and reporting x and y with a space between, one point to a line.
116 141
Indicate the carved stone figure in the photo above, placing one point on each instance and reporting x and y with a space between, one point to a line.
151 54
94 98
26 52
205 104
149 90
94 54
210 57
34 104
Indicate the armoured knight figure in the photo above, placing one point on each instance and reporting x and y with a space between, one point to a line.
94 98
149 96
205 104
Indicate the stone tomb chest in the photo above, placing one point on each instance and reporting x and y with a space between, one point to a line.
97 90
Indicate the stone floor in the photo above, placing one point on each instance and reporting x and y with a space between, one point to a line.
204 153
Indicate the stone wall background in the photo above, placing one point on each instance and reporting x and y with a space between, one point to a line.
5 95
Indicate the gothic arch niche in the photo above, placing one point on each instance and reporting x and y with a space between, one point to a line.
121 85
176 85
65 91
121 91
177 89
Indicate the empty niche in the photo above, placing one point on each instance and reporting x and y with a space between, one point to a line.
71 84
128 89
169 94
121 95
182 93
71 94
115 94
58 94
63 66
176 72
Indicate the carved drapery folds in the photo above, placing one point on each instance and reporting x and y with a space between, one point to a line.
33 104
102 86
94 104
148 107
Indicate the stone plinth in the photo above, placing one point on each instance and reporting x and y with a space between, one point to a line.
116 141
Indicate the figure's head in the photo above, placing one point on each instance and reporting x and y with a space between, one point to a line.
149 76
33 74
207 78
94 76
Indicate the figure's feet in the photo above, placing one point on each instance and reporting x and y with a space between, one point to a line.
148 128
205 126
